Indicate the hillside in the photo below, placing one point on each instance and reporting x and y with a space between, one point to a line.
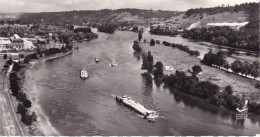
206 17
98 16
236 26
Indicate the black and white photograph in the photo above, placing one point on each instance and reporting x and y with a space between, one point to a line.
129 68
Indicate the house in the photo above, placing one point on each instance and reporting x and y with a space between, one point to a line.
18 43
4 42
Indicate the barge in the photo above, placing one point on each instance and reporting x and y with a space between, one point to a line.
127 101
83 73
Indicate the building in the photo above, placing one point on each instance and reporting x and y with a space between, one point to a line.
4 42
18 43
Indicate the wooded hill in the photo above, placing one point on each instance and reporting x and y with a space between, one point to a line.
98 16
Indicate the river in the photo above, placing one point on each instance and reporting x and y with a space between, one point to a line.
87 107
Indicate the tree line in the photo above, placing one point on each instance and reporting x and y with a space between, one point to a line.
182 47
244 68
241 39
24 102
107 28
209 91
163 31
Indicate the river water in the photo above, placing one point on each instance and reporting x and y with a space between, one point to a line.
87 107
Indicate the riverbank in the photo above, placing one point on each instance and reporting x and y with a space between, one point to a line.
183 62
42 126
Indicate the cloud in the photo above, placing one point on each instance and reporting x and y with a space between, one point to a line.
65 5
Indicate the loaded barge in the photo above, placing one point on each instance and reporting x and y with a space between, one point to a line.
148 114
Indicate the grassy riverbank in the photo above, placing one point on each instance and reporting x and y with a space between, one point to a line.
183 62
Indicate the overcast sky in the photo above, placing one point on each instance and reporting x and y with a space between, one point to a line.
67 5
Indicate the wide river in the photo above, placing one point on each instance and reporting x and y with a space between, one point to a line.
87 107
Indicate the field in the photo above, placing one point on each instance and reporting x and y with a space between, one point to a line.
183 61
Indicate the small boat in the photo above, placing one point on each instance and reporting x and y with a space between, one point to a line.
83 73
96 60
113 63
147 114
169 68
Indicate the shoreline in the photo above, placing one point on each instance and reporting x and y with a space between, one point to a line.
241 85
42 126
43 123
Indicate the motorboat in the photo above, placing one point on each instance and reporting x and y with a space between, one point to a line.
84 73
169 68
147 114
96 60
113 63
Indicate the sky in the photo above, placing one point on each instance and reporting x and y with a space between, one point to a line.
14 6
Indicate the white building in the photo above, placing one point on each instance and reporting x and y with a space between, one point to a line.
16 43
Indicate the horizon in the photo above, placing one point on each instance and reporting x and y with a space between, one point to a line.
28 6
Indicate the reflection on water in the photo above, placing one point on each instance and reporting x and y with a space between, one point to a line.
87 107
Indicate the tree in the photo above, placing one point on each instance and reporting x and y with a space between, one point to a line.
140 35
27 103
229 90
152 42
226 65
26 119
21 109
209 58
150 57
220 59
255 72
27 59
5 56
196 69
247 68
158 73
17 66
33 116
10 61
136 47
206 89
236 66
159 65
257 85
